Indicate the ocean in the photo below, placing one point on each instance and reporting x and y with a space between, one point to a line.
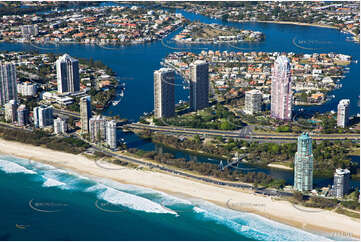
41 202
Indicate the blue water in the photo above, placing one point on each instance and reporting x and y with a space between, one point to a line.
80 219
40 202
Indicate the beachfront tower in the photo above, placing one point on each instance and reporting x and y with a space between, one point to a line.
22 113
97 129
111 134
303 167
10 111
199 85
43 116
281 94
341 182
8 88
67 73
164 104
253 102
60 126
85 114
343 108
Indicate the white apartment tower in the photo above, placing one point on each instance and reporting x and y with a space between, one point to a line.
253 102
341 182
343 108
111 134
22 113
164 104
67 72
10 111
27 89
60 126
97 129
29 30
43 116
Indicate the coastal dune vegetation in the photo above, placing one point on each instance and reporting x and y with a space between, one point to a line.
44 139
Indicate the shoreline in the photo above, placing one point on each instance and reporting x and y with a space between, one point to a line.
293 23
280 211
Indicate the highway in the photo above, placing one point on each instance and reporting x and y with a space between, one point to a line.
172 171
245 133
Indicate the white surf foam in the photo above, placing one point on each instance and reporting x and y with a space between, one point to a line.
114 196
161 197
49 182
13 167
252 225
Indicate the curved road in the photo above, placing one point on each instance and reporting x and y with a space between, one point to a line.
199 178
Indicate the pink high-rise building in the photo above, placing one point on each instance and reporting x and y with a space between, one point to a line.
281 94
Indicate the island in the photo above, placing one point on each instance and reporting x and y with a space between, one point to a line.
200 33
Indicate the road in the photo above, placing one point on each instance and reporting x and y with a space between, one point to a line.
184 174
244 133
66 112
172 171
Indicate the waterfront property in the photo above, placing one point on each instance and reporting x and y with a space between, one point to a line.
67 72
341 184
85 114
111 134
22 115
103 131
115 25
201 33
10 111
97 129
232 73
343 113
281 94
60 126
199 85
303 167
164 105
341 15
43 116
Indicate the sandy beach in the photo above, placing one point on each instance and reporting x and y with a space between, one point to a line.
314 220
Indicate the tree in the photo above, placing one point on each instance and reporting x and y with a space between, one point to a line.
197 139
298 196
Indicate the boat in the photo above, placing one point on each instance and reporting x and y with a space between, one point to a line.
185 87
115 102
